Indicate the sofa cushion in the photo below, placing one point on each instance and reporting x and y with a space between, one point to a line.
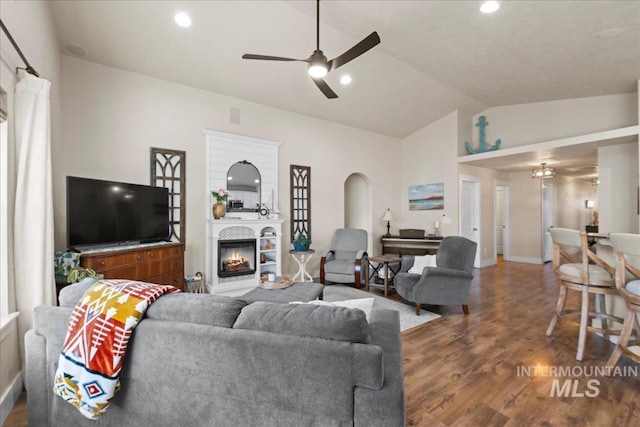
364 304
335 323
70 294
202 309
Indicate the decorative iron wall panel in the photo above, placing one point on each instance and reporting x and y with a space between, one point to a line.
300 180
168 170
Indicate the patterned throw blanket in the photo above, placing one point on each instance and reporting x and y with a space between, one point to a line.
97 336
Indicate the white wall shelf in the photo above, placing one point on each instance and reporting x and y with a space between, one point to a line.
516 158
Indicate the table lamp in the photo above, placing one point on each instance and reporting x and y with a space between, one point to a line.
388 217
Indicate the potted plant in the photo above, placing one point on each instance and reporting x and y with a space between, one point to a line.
219 208
301 243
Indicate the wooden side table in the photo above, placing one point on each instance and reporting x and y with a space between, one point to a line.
302 258
381 261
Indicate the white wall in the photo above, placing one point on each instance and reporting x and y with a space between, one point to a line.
31 25
112 117
569 202
486 246
536 122
429 156
618 189
525 214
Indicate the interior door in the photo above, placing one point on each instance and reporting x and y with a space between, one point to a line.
499 220
470 213
547 220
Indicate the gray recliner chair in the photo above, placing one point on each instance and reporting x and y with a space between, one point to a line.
446 284
344 261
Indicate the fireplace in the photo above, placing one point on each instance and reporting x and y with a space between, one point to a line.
236 257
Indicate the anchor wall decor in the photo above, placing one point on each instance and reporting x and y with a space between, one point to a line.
484 147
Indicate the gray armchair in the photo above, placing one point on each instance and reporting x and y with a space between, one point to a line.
446 284
344 261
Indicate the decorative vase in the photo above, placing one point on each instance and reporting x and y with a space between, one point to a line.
300 246
219 210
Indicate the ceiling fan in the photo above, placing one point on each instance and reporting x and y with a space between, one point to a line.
319 66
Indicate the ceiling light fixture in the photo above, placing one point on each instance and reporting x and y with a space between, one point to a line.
543 172
318 65
489 6
77 49
182 19
346 79
317 71
595 182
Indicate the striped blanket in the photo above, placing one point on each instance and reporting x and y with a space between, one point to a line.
96 343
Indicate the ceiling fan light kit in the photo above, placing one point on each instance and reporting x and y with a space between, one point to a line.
319 66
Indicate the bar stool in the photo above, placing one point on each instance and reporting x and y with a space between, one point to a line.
627 249
581 276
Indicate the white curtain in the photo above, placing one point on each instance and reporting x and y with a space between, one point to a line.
33 216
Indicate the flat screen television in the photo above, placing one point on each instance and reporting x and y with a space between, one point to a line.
103 212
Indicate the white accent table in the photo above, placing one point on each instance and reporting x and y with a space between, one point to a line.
302 258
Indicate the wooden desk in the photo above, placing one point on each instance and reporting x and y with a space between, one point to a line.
397 245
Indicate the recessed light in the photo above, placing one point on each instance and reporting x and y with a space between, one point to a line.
346 79
76 49
610 33
489 6
182 19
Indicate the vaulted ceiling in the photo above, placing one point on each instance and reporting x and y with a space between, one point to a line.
435 56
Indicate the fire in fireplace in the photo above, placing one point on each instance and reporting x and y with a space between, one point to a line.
236 257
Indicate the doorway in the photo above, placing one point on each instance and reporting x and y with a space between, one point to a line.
357 205
470 211
501 219
547 220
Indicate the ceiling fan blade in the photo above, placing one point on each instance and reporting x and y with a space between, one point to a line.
324 87
270 58
367 43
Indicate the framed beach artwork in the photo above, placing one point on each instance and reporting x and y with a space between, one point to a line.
426 197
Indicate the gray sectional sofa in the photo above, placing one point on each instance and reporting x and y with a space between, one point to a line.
207 360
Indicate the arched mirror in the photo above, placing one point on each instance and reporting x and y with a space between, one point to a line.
243 183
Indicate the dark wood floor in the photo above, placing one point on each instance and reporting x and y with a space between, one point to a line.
463 370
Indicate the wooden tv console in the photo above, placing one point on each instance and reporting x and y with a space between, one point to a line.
160 263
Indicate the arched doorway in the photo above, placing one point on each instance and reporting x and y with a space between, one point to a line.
357 205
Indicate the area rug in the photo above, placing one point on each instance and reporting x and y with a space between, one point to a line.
408 318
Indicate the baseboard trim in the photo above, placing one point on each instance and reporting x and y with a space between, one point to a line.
488 262
526 260
11 397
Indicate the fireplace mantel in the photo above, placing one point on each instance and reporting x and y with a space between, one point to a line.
229 229
222 151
